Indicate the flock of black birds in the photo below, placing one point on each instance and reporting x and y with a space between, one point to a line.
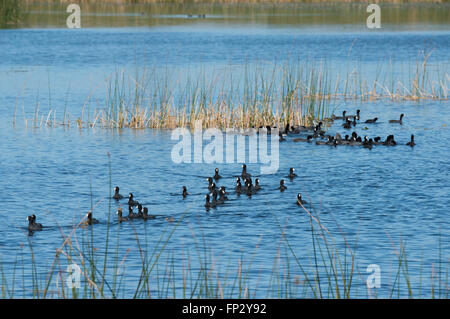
244 184
142 213
215 197
33 226
350 121
218 195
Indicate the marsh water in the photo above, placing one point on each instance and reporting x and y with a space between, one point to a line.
374 200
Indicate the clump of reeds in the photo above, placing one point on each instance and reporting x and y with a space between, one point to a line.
294 93
298 93
10 12
284 95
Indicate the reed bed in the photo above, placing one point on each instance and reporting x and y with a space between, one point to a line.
11 13
286 95
298 93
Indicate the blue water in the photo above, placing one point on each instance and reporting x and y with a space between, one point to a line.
376 199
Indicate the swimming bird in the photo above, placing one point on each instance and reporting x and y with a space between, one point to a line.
299 128
32 225
214 200
307 139
238 187
317 134
257 186
318 128
249 188
119 216
347 124
390 141
145 215
355 140
411 143
211 184
368 143
400 121
223 190
300 201
212 187
286 131
117 196
131 201
356 117
216 174
371 120
184 193
217 201
354 137
207 201
334 117
130 212
376 140
244 173
341 141
329 141
282 187
222 194
282 139
292 175
90 220
140 213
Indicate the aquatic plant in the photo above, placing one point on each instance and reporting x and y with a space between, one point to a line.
284 95
298 92
10 13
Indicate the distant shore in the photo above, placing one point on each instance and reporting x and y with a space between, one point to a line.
238 1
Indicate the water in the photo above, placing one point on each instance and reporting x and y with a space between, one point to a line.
376 198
